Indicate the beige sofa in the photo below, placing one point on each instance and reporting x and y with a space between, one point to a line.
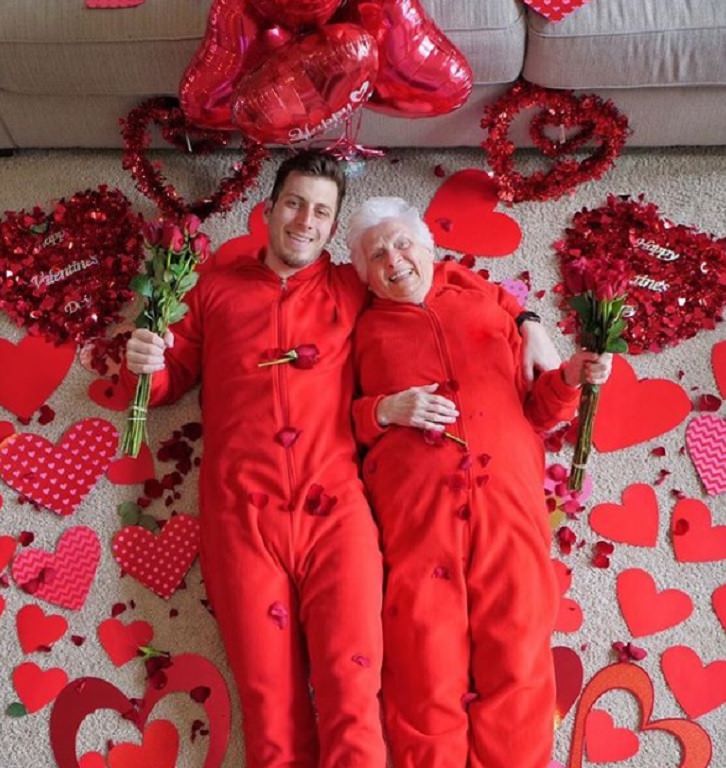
67 73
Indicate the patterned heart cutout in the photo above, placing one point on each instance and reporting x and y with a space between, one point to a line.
65 274
63 577
58 477
158 561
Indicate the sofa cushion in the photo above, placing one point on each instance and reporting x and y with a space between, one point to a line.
629 44
60 46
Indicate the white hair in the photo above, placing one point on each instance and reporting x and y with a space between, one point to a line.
375 211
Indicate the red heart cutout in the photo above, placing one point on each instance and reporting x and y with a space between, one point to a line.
461 216
158 561
645 609
64 577
421 73
159 748
105 393
58 477
129 470
70 268
92 760
634 522
307 86
86 695
38 368
695 540
37 687
604 742
694 741
718 600
632 411
569 617
698 688
122 641
677 274
568 680
718 363
6 429
231 250
36 630
2 605
7 550
555 10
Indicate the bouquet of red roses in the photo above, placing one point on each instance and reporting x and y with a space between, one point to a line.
175 249
599 299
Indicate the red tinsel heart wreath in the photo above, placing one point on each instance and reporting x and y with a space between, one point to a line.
168 116
677 274
65 274
599 121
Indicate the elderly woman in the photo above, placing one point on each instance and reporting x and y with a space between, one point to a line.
455 473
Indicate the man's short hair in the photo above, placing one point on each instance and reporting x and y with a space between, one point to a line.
311 162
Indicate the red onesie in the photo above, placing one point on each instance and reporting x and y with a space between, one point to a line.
289 550
470 594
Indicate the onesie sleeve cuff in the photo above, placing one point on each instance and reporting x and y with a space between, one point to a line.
367 428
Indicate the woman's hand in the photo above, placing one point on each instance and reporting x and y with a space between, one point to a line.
588 368
145 351
417 407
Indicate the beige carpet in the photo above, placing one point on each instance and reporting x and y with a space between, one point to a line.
690 187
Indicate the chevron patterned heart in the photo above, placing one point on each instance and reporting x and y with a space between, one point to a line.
158 561
63 577
706 443
58 477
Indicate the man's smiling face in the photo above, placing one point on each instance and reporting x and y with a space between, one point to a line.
300 222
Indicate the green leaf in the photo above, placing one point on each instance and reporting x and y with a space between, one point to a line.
129 513
142 285
176 314
40 229
16 709
188 282
148 522
616 345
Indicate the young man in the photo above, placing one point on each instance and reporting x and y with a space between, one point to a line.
289 549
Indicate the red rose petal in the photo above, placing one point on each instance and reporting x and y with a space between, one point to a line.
287 436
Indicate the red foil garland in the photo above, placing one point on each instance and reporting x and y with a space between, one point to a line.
677 275
65 274
597 121
168 116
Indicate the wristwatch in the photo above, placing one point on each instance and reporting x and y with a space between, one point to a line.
527 315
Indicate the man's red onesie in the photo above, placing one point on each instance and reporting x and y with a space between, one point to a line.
289 549
470 594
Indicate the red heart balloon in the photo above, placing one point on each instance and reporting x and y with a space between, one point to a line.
677 274
307 85
230 45
86 695
295 14
65 274
421 72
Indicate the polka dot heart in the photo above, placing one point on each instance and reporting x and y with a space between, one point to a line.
555 10
59 476
158 561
